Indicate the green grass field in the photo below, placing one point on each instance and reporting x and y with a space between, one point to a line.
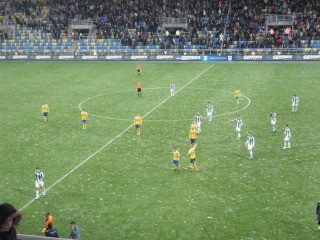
117 185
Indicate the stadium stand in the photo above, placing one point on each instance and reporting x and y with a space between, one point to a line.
134 26
45 26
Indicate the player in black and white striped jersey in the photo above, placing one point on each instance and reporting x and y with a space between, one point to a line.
295 103
172 89
238 122
209 110
273 120
39 175
198 120
250 144
287 137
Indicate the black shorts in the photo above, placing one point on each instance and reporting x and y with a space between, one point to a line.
139 89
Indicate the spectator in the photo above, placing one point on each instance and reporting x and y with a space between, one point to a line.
9 219
318 214
48 219
138 23
75 231
51 231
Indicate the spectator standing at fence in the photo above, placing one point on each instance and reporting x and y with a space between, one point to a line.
9 219
51 231
75 231
318 214
48 219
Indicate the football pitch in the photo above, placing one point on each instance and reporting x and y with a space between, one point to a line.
117 185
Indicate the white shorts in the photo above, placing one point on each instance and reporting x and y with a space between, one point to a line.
250 147
286 139
39 184
273 122
198 124
238 129
209 114
294 104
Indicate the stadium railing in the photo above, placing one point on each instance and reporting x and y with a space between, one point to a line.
7 25
32 237
156 51
170 22
80 24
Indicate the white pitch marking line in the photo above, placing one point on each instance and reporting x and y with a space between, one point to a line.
112 140
172 120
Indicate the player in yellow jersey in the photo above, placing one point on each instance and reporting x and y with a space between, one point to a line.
176 160
194 125
84 118
237 95
192 155
193 135
45 111
137 124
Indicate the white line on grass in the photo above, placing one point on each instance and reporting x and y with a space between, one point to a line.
115 138
168 120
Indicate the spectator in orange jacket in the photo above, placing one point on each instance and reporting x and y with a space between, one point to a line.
48 219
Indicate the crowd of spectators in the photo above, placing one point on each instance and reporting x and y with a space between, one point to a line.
210 22
47 16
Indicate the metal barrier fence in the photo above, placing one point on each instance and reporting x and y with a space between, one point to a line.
170 22
32 237
81 24
155 52
145 57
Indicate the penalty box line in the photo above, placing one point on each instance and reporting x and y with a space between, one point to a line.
115 138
